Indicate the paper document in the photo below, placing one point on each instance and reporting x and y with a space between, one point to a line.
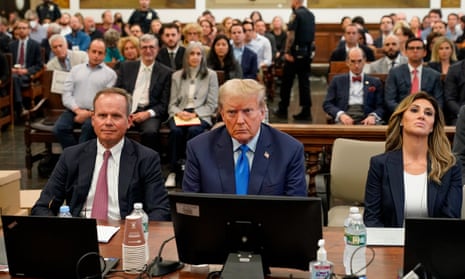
385 236
192 122
105 233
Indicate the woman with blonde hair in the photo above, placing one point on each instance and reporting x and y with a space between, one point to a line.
192 32
442 55
418 175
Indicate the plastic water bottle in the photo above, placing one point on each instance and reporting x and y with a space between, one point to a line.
64 211
346 259
356 246
138 210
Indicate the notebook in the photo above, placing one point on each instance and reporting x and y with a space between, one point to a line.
52 247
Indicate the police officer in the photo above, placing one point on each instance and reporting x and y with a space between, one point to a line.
143 16
48 11
298 51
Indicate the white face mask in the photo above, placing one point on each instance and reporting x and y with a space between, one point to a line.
33 24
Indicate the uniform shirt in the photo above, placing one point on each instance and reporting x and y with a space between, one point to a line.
303 24
143 18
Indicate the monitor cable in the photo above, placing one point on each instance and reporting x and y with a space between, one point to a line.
82 262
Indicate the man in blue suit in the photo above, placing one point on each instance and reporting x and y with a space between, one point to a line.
275 160
355 98
244 55
400 80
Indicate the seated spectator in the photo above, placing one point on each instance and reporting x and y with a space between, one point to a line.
135 30
107 23
385 28
194 94
118 20
111 38
244 55
38 32
192 32
454 92
355 98
418 175
207 32
64 59
415 26
443 55
172 52
430 40
278 30
360 22
392 57
221 58
52 29
129 48
77 39
89 28
412 77
226 24
403 33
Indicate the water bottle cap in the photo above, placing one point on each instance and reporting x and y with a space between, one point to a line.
138 205
64 209
354 209
357 216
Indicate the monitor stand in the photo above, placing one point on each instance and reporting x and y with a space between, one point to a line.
162 267
243 265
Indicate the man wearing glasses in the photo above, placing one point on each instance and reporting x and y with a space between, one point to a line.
244 156
412 77
149 83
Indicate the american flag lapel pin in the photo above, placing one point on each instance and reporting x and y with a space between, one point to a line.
266 155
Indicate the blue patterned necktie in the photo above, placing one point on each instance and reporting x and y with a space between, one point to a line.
242 171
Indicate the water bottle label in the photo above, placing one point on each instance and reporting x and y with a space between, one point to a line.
356 240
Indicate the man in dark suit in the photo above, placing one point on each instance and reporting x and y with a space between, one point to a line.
171 53
244 55
275 161
133 171
454 91
355 98
27 61
401 81
351 39
150 83
385 28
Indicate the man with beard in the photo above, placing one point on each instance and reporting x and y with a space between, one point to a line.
392 57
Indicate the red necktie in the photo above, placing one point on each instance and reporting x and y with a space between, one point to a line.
357 78
21 54
415 84
100 204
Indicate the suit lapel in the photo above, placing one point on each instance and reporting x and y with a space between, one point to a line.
395 169
261 160
224 157
346 89
432 192
86 165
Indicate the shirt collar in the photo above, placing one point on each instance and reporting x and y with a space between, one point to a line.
115 150
252 144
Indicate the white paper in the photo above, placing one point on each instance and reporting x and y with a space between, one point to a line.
105 233
58 81
385 236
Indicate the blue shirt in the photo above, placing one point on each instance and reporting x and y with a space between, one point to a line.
81 40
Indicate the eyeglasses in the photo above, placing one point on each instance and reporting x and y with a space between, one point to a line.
147 47
415 48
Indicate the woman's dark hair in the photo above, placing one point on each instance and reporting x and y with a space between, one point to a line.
229 61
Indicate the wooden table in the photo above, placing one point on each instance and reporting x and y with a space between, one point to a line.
388 260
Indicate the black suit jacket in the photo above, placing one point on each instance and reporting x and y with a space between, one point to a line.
454 89
164 57
33 57
339 54
160 85
140 180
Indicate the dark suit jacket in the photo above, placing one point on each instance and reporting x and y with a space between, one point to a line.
454 89
339 54
33 57
337 98
398 84
160 85
164 57
378 42
249 64
459 139
384 193
278 166
140 180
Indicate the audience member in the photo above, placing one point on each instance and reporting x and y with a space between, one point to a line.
52 29
192 33
64 59
5 37
172 52
133 175
412 77
150 84
221 58
111 39
207 32
278 31
227 23
143 16
418 175
244 55
392 57
255 15
434 15
359 21
194 94
260 29
38 32
48 11
258 44
4 79
64 22
89 28
118 20
297 59
385 27
443 55
83 82
129 48
453 27
135 30
245 156
430 40
404 34
454 92
107 23
459 137
355 98
26 59
77 39
415 26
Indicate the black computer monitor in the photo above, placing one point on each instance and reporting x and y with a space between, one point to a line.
284 231
436 246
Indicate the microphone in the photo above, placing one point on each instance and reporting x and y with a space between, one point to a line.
160 267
